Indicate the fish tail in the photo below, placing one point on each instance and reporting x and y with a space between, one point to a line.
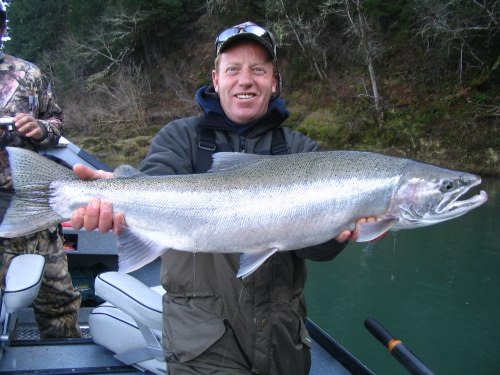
29 210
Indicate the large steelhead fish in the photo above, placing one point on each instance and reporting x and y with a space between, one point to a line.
250 204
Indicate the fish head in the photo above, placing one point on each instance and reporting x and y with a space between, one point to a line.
429 195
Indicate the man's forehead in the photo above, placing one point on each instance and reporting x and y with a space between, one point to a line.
246 46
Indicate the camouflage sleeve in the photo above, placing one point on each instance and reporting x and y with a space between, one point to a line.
50 115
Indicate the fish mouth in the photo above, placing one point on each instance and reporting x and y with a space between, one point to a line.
451 207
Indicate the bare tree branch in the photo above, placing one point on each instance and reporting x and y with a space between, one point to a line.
359 27
456 26
109 47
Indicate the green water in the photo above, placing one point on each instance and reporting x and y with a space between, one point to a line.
437 289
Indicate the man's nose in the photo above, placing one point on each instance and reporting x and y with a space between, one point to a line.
245 77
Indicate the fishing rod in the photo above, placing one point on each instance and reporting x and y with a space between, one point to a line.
397 348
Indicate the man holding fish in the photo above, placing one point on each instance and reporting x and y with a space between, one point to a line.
215 322
234 241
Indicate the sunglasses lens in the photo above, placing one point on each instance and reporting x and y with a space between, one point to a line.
226 34
256 30
250 29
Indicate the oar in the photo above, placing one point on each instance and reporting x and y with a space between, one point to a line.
397 348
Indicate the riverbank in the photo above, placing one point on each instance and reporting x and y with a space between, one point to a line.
458 135
133 150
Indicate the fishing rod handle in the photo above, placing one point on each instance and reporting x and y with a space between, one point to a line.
409 360
378 331
397 349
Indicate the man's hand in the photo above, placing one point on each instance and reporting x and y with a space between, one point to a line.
28 126
86 173
348 235
98 214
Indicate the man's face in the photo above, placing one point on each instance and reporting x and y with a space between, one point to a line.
245 81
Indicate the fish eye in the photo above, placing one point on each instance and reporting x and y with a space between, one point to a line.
446 186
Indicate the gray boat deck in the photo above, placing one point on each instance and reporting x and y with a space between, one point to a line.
28 354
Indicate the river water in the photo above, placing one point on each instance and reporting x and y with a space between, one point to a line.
437 289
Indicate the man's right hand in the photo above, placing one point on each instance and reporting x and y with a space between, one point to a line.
98 214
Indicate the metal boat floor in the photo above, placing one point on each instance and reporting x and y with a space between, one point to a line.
27 333
26 353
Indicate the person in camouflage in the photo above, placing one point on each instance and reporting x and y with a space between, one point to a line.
25 95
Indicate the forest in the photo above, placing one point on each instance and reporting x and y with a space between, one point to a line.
412 78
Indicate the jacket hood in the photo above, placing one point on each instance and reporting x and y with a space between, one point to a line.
209 102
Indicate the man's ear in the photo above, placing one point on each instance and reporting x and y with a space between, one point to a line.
215 80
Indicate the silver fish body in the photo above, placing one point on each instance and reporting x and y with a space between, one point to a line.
250 204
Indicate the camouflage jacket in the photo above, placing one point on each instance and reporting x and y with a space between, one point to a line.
24 89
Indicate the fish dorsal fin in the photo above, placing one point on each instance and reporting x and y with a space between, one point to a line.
127 171
224 161
371 231
249 262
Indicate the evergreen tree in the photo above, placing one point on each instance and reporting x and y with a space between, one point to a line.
35 26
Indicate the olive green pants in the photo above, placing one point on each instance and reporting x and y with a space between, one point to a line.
58 302
196 367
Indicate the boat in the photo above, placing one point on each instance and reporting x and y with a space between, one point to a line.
120 315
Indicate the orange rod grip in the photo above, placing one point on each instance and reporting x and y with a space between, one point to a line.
392 344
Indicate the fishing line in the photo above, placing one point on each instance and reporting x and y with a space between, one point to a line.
394 242
194 274
393 258
234 320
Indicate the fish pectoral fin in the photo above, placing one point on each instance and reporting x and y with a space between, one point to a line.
136 249
371 231
249 262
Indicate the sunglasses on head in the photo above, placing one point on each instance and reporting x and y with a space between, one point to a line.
248 28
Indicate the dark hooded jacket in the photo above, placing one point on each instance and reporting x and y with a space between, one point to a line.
256 323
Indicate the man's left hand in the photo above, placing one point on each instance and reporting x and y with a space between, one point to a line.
353 235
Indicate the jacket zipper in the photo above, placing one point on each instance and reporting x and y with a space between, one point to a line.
242 144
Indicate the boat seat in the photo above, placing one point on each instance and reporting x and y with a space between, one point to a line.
22 281
22 284
129 323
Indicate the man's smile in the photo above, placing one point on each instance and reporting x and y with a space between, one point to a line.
245 96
